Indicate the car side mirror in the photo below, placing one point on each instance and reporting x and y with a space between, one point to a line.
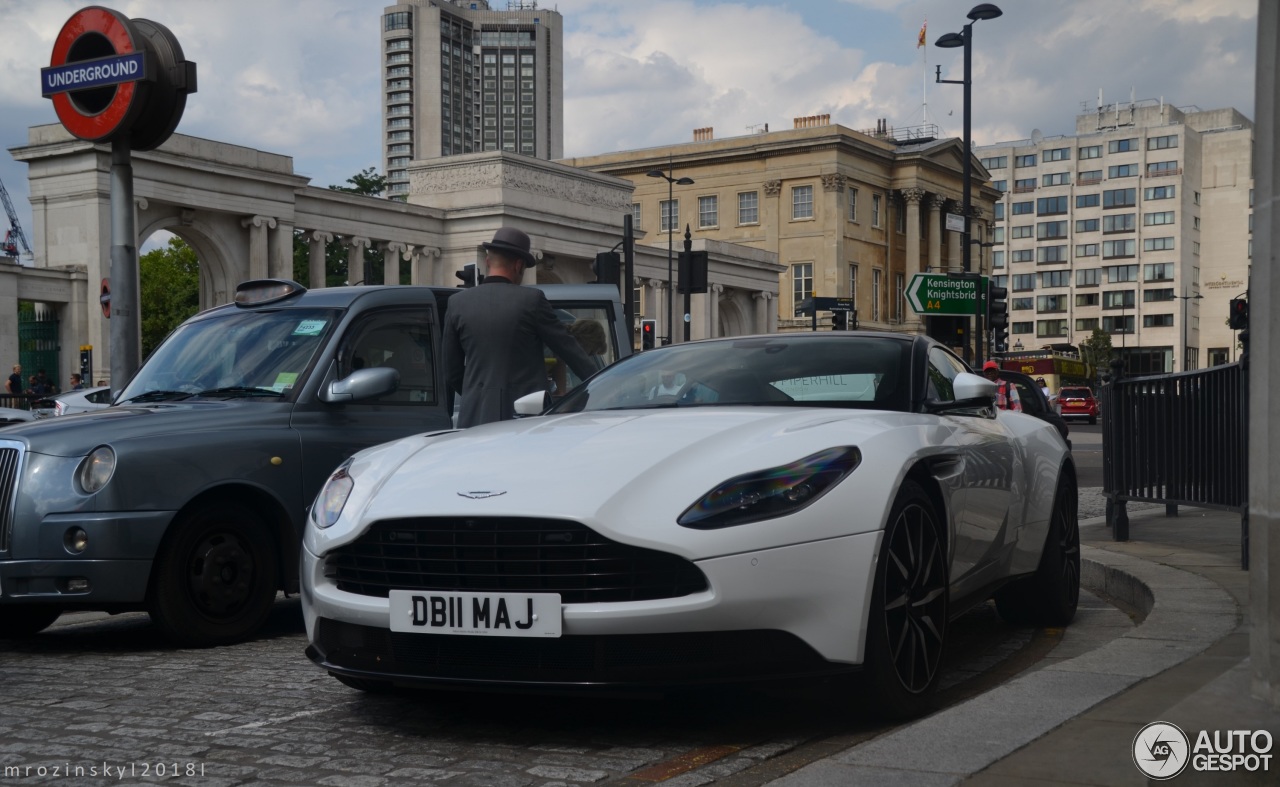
531 404
972 386
361 384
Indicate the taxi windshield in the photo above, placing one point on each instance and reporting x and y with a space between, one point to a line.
260 354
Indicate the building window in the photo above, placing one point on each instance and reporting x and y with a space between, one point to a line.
1086 249
1118 324
1021 327
1159 192
853 284
1022 304
1087 299
635 215
1023 255
1023 185
801 284
999 212
1119 222
997 259
1087 200
875 210
397 21
1157 244
1022 231
708 212
749 207
1046 230
995 162
1051 254
1089 278
1124 171
1118 299
1122 145
1121 273
1091 151
1159 168
802 202
1023 208
1087 324
1120 198
669 214
875 292
1057 179
853 204
1160 143
1055 279
1118 248
1051 303
1087 225
1057 154
1157 295
1025 161
900 211
997 235
1089 177
1163 217
1050 328
1157 321
1051 206
1000 185
1024 282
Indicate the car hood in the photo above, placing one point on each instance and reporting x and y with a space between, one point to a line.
628 473
79 433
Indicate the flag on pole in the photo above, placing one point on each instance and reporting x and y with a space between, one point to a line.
920 40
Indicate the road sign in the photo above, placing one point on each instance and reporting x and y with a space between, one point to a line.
105 298
955 222
938 293
817 304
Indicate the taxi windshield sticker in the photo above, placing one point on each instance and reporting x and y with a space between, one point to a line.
284 380
310 328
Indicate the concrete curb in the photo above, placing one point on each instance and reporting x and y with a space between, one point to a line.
1186 614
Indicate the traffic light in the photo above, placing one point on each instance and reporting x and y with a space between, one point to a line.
997 315
693 272
840 321
467 275
648 334
1238 317
607 267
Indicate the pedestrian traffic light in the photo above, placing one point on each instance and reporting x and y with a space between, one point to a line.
648 334
467 275
1238 317
839 321
607 267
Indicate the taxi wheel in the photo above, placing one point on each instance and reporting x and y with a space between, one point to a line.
25 620
907 624
215 577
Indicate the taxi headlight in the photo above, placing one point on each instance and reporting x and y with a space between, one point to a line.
95 469
328 506
772 493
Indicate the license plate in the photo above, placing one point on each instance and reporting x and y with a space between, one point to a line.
476 614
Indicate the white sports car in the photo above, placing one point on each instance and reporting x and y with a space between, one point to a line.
804 504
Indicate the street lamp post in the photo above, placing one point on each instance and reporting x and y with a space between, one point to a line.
1184 298
669 177
964 39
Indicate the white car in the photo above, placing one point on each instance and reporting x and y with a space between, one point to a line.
807 504
81 401
12 415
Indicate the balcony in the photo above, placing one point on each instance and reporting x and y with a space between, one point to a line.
1152 173
1090 181
1023 189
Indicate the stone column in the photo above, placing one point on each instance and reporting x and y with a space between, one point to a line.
280 256
910 320
355 259
658 288
936 204
316 240
391 251
954 262
258 255
714 293
766 315
1263 373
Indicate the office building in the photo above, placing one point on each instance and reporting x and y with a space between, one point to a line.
1138 224
462 77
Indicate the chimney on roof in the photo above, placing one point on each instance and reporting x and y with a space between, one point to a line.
812 121
703 134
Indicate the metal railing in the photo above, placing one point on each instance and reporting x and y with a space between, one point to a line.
1177 439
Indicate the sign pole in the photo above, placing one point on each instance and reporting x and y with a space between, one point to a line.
126 327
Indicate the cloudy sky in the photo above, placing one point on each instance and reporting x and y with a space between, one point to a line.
301 77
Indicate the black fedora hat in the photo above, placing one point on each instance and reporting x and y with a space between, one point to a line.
509 240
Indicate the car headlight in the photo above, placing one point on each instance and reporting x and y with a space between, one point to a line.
328 506
95 469
767 494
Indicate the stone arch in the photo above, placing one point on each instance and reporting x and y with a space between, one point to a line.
220 267
734 320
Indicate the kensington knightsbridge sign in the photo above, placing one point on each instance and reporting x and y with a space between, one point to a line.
938 293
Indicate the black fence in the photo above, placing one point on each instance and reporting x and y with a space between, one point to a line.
18 401
1177 439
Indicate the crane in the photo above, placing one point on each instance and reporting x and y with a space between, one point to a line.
15 234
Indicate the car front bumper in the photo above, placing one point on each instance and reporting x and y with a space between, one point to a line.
791 611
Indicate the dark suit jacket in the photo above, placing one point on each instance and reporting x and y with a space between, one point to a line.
493 337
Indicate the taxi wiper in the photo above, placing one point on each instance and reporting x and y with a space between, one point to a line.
241 390
155 396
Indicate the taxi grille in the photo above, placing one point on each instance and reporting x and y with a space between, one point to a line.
508 555
10 459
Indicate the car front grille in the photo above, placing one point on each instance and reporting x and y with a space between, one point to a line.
10 461
508 555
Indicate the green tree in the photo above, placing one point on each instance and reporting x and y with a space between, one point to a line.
366 183
1096 350
169 280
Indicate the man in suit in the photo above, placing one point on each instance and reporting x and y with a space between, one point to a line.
494 332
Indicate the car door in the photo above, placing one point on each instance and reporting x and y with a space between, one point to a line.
981 507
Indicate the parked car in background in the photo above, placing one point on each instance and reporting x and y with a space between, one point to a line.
1034 402
1078 402
12 415
68 402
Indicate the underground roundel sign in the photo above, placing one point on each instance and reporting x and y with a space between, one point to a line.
111 76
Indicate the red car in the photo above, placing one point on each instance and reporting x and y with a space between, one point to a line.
1078 403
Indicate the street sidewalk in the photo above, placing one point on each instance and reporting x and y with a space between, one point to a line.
1073 721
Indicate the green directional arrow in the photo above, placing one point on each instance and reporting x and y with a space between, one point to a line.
938 293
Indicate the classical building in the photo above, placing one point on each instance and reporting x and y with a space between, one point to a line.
460 77
849 214
1139 224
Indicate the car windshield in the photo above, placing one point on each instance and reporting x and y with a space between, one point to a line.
801 371
257 354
